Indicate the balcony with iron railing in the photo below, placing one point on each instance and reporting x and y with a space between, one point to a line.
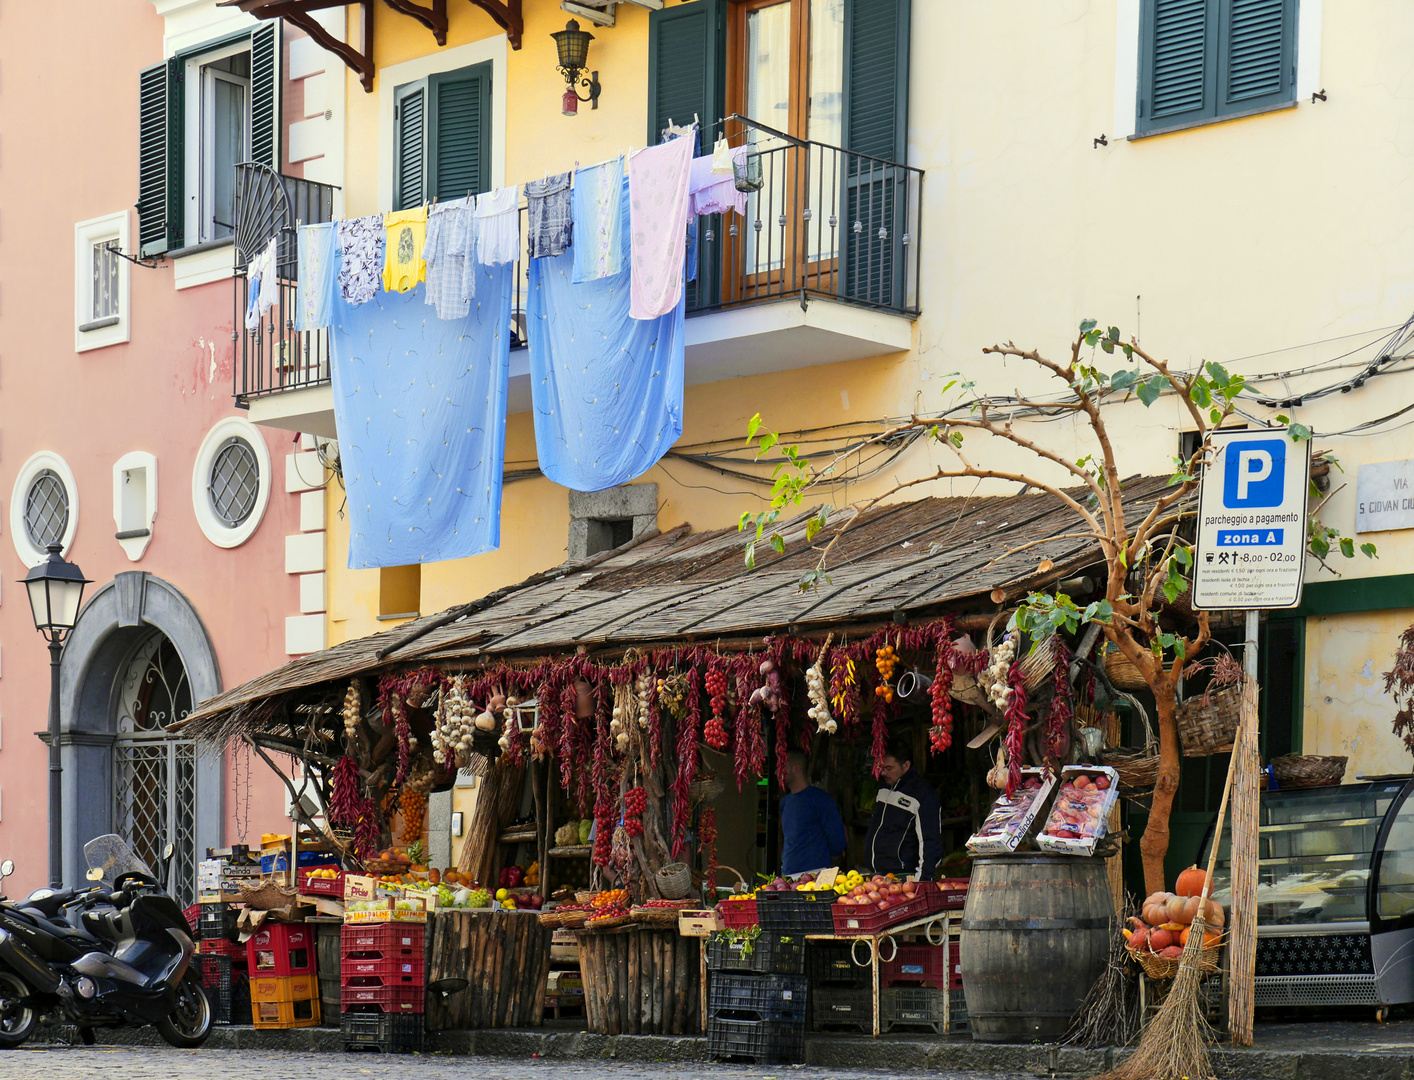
822 267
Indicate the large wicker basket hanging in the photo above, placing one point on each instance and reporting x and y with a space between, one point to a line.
674 881
1302 771
1138 768
1123 675
1207 724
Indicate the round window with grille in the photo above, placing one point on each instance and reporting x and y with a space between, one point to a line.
235 482
46 509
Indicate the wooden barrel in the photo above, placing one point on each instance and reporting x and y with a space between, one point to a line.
328 954
1035 937
639 981
505 955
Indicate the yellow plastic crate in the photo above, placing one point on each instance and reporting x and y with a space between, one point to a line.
285 1014
284 988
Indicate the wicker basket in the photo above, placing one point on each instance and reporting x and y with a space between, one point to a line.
660 918
610 924
674 881
1123 675
1036 664
563 920
1303 771
1138 768
1162 967
267 896
1207 724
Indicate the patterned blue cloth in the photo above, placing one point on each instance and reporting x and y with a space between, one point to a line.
450 254
598 248
317 269
606 388
420 408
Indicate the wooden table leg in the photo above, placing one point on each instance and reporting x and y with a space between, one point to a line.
702 965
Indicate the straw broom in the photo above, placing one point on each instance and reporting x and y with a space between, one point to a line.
1175 1044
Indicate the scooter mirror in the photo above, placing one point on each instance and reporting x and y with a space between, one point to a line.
7 868
168 850
95 874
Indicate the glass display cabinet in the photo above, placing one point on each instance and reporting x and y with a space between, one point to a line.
1335 894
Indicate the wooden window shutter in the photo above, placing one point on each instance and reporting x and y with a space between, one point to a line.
265 50
160 150
1258 49
1176 62
686 58
876 78
409 145
459 158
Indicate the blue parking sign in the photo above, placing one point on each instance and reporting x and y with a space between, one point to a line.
1254 475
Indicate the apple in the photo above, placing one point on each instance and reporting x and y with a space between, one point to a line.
882 905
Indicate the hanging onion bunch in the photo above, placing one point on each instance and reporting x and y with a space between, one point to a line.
817 690
353 710
454 725
623 716
995 677
642 689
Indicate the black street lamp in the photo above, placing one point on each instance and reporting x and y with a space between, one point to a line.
55 590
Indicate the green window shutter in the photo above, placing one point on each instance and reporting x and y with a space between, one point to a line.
876 78
160 150
459 134
265 49
1176 62
409 145
686 54
1258 47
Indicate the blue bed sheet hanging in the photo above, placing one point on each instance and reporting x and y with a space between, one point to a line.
607 389
420 408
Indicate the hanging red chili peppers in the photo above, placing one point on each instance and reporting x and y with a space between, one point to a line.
688 734
1016 726
715 733
707 841
1062 711
940 734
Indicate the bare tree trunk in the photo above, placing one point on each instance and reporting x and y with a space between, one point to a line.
1155 843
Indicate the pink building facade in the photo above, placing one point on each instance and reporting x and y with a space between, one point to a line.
119 438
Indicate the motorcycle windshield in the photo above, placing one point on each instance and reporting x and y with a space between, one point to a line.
115 857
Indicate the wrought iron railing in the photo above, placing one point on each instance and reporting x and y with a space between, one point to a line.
820 222
275 357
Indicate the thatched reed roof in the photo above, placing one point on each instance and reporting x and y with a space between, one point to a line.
906 560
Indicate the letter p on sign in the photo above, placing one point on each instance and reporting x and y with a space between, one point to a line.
1254 474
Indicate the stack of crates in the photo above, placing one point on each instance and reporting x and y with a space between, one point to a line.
220 962
284 987
841 997
758 998
383 986
916 983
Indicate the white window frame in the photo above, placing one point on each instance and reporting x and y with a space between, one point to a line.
199 105
124 470
87 235
19 535
1127 25
216 530
493 49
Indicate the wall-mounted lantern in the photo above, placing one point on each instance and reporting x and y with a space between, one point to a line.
573 46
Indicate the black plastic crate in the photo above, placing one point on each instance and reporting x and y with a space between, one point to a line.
758 997
390 1033
240 999
216 980
831 963
912 1006
842 1006
216 921
958 1021
767 953
801 912
761 1041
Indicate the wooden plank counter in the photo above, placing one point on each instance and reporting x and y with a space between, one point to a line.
639 981
505 956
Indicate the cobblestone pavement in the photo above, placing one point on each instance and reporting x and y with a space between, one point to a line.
132 1063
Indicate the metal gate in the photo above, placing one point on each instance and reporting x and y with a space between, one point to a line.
154 776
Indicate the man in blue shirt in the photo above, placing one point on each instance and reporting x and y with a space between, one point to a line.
810 820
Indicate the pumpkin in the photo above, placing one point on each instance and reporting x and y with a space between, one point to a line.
1191 906
1173 952
1211 938
1160 939
1191 882
1213 914
1175 906
1139 940
1154 910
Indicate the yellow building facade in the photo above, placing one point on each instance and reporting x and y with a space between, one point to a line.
1267 232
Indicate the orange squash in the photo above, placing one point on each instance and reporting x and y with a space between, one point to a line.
1190 882
1211 938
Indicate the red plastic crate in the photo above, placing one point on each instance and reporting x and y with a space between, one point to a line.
223 947
919 965
390 970
954 892
281 949
383 939
388 999
853 919
738 914
320 886
193 915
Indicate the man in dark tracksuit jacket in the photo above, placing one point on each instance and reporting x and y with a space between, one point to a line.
905 834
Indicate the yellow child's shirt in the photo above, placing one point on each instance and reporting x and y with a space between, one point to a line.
402 252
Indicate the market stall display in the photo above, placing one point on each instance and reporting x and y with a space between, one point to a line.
1335 894
505 956
639 980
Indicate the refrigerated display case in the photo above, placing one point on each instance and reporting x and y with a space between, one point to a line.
1335 894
